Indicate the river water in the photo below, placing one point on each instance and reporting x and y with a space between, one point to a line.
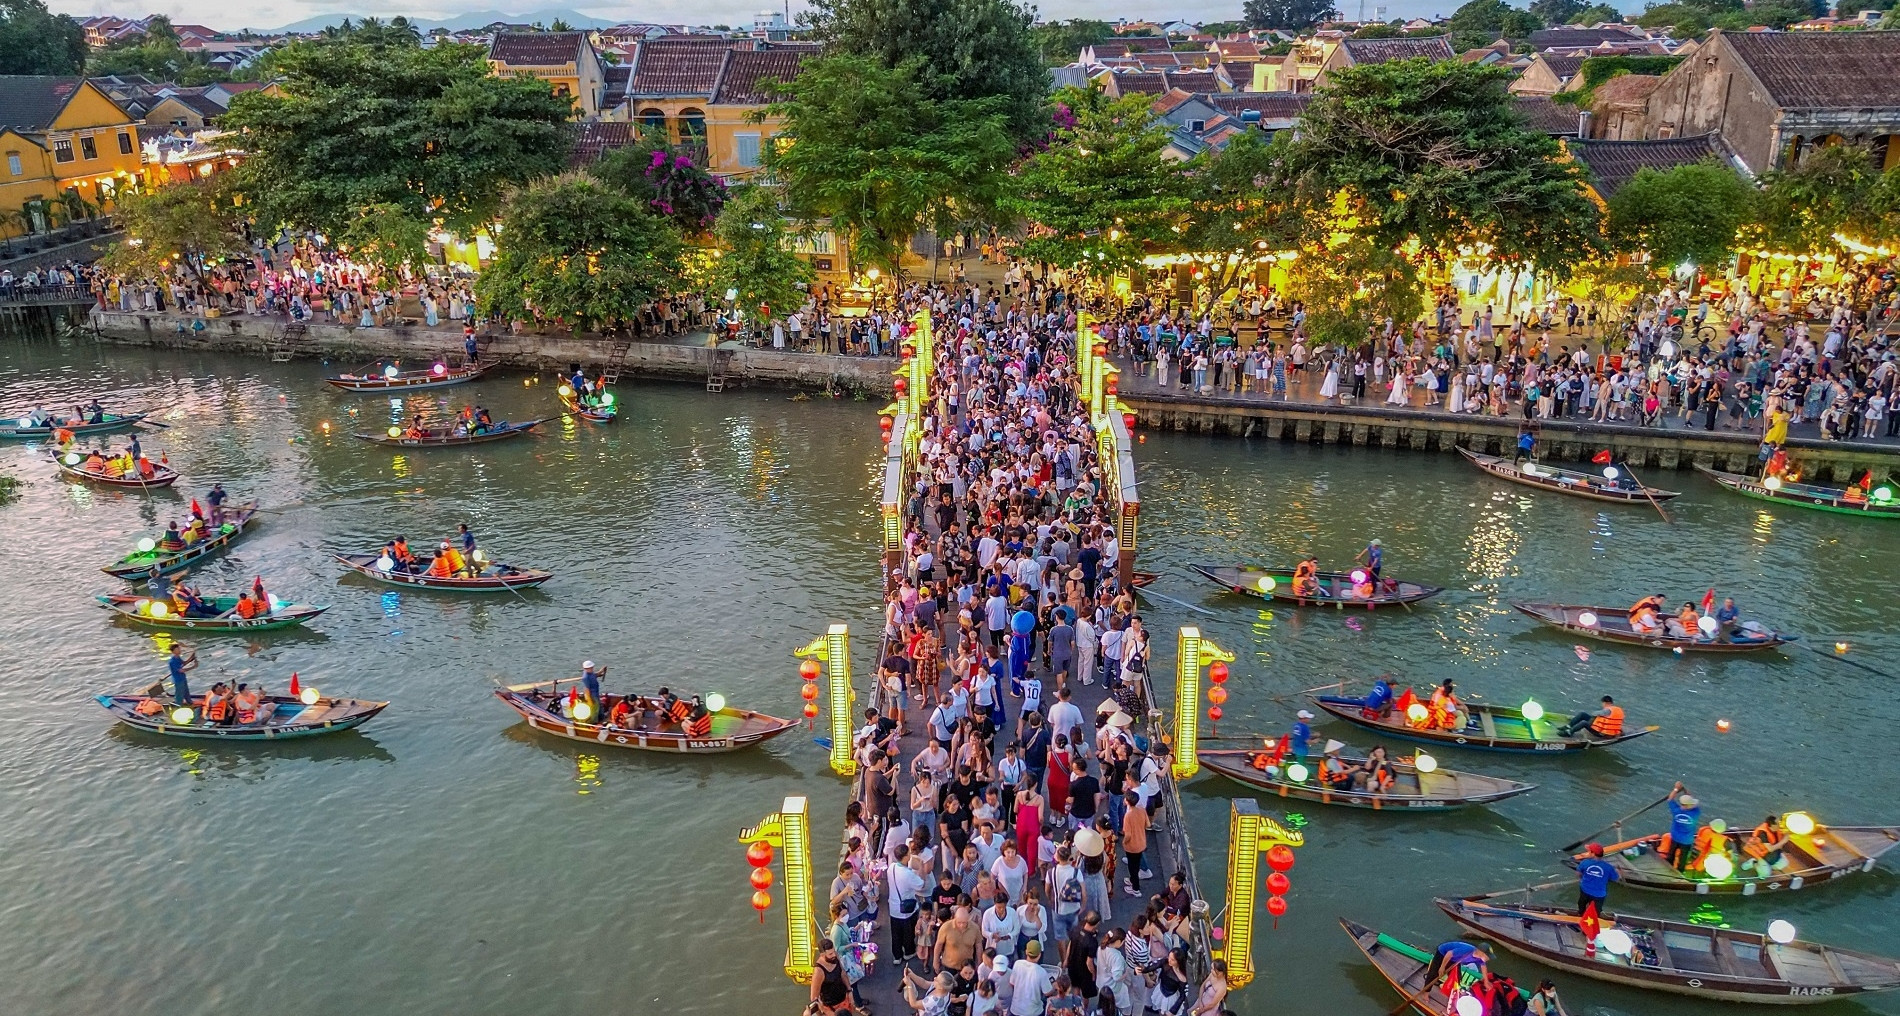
445 859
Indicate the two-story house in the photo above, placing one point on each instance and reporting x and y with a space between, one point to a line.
567 61
60 133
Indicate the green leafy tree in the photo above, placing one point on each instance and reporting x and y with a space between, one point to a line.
1596 15
1289 15
1060 42
755 253
864 146
1800 209
579 254
1488 20
1350 284
427 131
34 40
666 179
1219 29
1686 213
1101 196
1434 157
188 223
1557 12
963 51
387 236
1244 206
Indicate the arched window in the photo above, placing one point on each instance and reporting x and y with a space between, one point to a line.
692 124
652 122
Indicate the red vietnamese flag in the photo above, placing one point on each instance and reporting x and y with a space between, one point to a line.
1708 600
294 689
1602 458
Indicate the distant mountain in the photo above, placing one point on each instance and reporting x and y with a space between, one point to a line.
458 23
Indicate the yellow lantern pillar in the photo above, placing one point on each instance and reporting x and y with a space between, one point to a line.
1194 652
833 648
1084 355
789 831
1250 834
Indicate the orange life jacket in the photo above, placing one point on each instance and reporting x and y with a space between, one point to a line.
215 708
246 607
148 707
247 702
678 711
1611 725
699 726
440 566
1760 841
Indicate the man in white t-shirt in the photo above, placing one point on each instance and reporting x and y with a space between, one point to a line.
1029 983
1066 718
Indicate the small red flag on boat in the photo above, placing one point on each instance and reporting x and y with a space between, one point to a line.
1708 600
294 689
1602 458
573 695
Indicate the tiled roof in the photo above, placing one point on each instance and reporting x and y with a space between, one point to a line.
1270 105
680 65
1156 61
1146 44
613 81
1565 67
1239 49
1373 51
535 49
1135 82
1625 88
740 79
1552 37
1823 70
1193 81
31 102
1612 164
597 137
1542 115
198 103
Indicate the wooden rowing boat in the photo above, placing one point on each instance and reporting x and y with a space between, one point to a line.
134 567
494 577
1826 854
1334 587
592 414
1807 495
139 609
1612 624
439 375
732 729
72 466
1487 727
449 439
111 423
1722 963
1576 483
1440 789
291 718
1143 578
1403 966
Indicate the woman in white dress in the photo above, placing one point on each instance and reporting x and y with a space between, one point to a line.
1457 401
1329 388
1401 386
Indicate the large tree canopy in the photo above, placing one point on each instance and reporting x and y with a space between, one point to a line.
754 257
1289 15
1687 213
186 223
33 40
1801 209
971 49
426 131
576 253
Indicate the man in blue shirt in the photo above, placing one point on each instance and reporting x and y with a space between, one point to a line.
590 684
1525 443
1374 557
1301 737
1594 875
181 692
1685 814
1452 954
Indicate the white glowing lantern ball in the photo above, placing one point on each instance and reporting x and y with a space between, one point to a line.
1468 1005
583 709
1614 941
440 370
1781 932
1530 469
1587 619
1417 712
1296 772
385 563
146 544
480 555
159 609
1772 483
390 372
1799 823
26 421
308 696
1610 473
181 715
1425 763
275 603
606 398
1533 710
1358 575
566 391
715 702
71 459
1718 866
1707 625
1266 583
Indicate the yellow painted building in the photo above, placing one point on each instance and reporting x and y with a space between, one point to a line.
56 134
567 61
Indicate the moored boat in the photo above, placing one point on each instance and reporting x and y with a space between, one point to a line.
544 706
493 578
159 614
1489 727
1612 624
602 412
288 717
72 465
1817 856
1722 963
1411 789
1595 486
447 438
1402 965
1334 588
22 427
238 519
1881 502
393 378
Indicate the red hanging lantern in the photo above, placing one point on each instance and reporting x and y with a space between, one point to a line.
1217 673
1113 383
885 423
759 854
1128 419
811 710
1217 695
761 901
1214 713
899 385
906 351
761 878
1101 349
1278 883
809 670
809 692
1280 857
1276 905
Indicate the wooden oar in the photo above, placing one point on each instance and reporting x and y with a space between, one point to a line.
1644 487
1572 847
1526 889
1144 591
1412 999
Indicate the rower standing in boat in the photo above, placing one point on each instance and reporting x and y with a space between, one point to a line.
1606 721
181 690
590 685
158 584
1685 813
467 536
1374 557
1451 956
1594 876
215 497
1302 736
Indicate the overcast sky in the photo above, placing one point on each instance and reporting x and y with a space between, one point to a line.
222 14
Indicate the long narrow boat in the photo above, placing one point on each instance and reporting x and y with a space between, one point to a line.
1612 624
1403 966
72 466
1440 789
158 614
732 729
112 423
494 577
291 718
1821 856
1143 579
1722 963
439 375
1489 727
1335 588
593 414
238 519
449 439
1576 483
1807 495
